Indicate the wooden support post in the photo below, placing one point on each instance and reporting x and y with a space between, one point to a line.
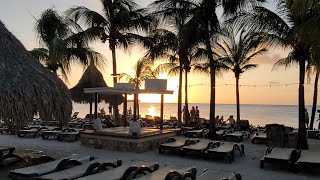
125 107
134 107
95 105
161 112
90 112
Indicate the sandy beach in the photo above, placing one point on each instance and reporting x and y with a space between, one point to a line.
247 166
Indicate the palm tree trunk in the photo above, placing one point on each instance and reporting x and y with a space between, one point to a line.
302 142
212 98
115 79
180 95
315 97
238 99
186 97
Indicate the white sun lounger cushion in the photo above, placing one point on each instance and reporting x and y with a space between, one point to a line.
202 145
309 157
279 153
217 175
237 134
76 171
177 143
223 148
116 174
163 171
48 167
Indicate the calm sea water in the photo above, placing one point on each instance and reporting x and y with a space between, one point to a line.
256 114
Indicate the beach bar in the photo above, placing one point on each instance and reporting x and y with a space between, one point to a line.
118 138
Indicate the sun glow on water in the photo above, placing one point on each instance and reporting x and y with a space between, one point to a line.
152 111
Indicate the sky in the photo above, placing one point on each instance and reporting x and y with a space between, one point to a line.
19 17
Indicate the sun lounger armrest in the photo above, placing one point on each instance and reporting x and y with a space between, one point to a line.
238 176
188 175
128 171
295 155
104 166
173 175
142 170
65 163
268 151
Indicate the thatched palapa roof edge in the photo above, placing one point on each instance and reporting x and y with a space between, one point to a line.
27 86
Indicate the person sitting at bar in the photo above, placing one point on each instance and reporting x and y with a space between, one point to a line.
97 126
135 127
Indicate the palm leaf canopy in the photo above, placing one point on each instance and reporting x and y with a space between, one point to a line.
27 86
92 78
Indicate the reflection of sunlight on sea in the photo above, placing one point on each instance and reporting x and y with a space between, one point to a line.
151 111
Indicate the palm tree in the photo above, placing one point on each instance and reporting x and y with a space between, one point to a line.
61 44
172 44
297 27
206 24
314 67
142 71
119 18
236 50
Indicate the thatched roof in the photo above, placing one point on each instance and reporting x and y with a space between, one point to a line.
92 78
27 86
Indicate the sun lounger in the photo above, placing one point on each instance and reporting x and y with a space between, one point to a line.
51 133
221 133
199 147
82 170
308 159
235 136
33 172
279 155
31 132
219 175
25 157
196 133
174 145
8 149
259 137
170 172
124 171
70 134
227 150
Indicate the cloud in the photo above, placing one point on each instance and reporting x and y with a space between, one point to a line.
271 57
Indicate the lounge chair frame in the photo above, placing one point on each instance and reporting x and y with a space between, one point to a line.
290 162
228 155
163 148
26 132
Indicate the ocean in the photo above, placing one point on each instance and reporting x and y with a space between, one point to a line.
256 114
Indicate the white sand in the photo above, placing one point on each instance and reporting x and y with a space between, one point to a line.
247 166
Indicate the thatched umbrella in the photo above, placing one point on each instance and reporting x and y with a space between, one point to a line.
92 78
27 86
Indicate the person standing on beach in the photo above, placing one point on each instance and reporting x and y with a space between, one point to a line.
110 110
198 115
306 114
193 114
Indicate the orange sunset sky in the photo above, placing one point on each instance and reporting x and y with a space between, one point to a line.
18 15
